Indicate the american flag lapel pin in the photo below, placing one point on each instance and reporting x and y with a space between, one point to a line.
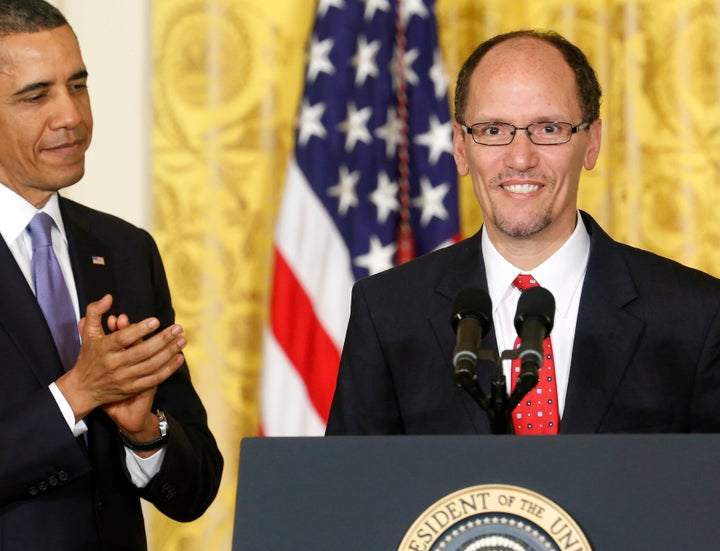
98 260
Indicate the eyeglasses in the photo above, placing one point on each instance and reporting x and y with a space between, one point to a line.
540 133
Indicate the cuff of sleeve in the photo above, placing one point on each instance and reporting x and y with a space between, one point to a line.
141 469
79 428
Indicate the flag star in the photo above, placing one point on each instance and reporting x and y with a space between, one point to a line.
438 76
371 6
413 7
408 59
351 204
319 58
431 201
378 258
355 126
384 197
344 190
309 122
438 138
364 60
325 5
390 132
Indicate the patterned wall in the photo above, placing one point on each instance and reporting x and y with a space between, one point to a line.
228 76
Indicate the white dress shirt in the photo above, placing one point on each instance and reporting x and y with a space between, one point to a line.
15 215
562 274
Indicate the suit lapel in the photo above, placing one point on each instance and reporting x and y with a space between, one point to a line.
93 269
605 337
466 270
91 258
23 322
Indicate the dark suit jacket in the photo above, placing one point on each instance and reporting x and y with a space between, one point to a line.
56 492
646 356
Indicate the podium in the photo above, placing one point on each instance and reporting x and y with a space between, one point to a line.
626 492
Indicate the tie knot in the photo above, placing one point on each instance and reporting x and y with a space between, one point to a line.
525 281
39 229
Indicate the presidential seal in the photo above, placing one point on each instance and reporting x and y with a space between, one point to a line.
494 517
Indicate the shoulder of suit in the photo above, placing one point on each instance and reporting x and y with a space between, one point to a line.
84 215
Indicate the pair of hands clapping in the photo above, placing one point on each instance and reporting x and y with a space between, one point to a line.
121 371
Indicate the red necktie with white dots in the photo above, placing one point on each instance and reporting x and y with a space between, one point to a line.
537 412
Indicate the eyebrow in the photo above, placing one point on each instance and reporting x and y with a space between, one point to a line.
79 75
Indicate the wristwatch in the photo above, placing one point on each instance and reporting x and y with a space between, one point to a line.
152 444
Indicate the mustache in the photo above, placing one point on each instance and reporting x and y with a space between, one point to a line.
510 174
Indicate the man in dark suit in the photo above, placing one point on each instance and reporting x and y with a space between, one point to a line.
82 436
636 337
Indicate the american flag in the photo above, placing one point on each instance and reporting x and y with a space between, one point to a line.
372 182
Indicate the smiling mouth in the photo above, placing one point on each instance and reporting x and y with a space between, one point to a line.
67 145
66 151
521 188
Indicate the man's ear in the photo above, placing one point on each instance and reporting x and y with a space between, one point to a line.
593 149
459 137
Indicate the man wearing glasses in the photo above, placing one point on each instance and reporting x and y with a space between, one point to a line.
636 337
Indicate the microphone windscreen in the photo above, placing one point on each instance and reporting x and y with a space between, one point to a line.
473 302
536 302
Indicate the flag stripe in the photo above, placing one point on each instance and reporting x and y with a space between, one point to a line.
286 409
309 242
314 355
340 211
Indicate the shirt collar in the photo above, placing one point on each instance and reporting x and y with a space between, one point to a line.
16 213
561 274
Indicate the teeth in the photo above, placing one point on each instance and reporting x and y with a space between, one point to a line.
522 188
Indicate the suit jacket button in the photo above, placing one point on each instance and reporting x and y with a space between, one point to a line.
62 476
33 490
43 485
53 480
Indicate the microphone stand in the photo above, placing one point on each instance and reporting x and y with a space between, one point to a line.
498 405
494 405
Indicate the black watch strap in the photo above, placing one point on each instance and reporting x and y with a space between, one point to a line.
152 444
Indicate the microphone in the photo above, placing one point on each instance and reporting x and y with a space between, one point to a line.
533 322
471 320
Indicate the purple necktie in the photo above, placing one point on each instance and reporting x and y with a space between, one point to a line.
52 291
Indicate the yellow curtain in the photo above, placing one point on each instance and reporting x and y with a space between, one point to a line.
226 85
227 79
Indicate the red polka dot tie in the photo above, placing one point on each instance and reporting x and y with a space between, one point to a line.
537 412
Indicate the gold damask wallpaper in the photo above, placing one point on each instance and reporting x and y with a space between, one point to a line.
226 84
227 78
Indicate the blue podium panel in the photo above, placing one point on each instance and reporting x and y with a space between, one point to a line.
626 492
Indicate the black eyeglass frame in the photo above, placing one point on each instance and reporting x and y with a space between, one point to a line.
574 129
